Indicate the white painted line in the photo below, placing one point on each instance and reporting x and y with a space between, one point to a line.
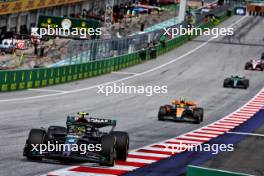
255 104
149 154
222 126
249 134
206 131
160 149
214 129
73 173
228 123
194 138
260 98
241 112
183 141
48 90
123 167
205 135
258 101
237 116
125 73
162 146
123 79
137 160
250 109
235 120
247 112
226 120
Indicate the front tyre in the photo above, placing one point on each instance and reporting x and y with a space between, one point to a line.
162 113
108 143
197 115
246 84
122 145
201 111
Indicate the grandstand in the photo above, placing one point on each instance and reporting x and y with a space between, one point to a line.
20 15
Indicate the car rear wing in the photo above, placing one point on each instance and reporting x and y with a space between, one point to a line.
95 122
101 122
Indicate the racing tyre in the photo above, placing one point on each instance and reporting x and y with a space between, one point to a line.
108 144
226 83
162 113
261 67
247 67
262 56
197 114
246 84
122 145
56 130
201 110
36 136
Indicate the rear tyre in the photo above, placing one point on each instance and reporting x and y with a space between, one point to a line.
246 67
108 143
122 145
262 56
36 136
226 83
162 113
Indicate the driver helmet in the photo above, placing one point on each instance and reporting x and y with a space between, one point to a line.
182 100
81 117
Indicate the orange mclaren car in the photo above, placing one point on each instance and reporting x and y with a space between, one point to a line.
181 110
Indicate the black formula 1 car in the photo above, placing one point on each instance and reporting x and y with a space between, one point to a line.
81 140
181 111
236 82
255 65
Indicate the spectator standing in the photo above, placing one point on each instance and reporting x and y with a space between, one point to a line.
202 1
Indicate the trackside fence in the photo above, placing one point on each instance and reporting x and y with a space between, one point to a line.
36 78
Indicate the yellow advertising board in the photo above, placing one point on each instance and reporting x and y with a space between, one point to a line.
26 5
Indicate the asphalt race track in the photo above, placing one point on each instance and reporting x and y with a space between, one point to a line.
197 76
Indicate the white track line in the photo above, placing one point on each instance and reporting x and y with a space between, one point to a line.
149 154
73 173
125 73
49 90
140 160
123 79
250 134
